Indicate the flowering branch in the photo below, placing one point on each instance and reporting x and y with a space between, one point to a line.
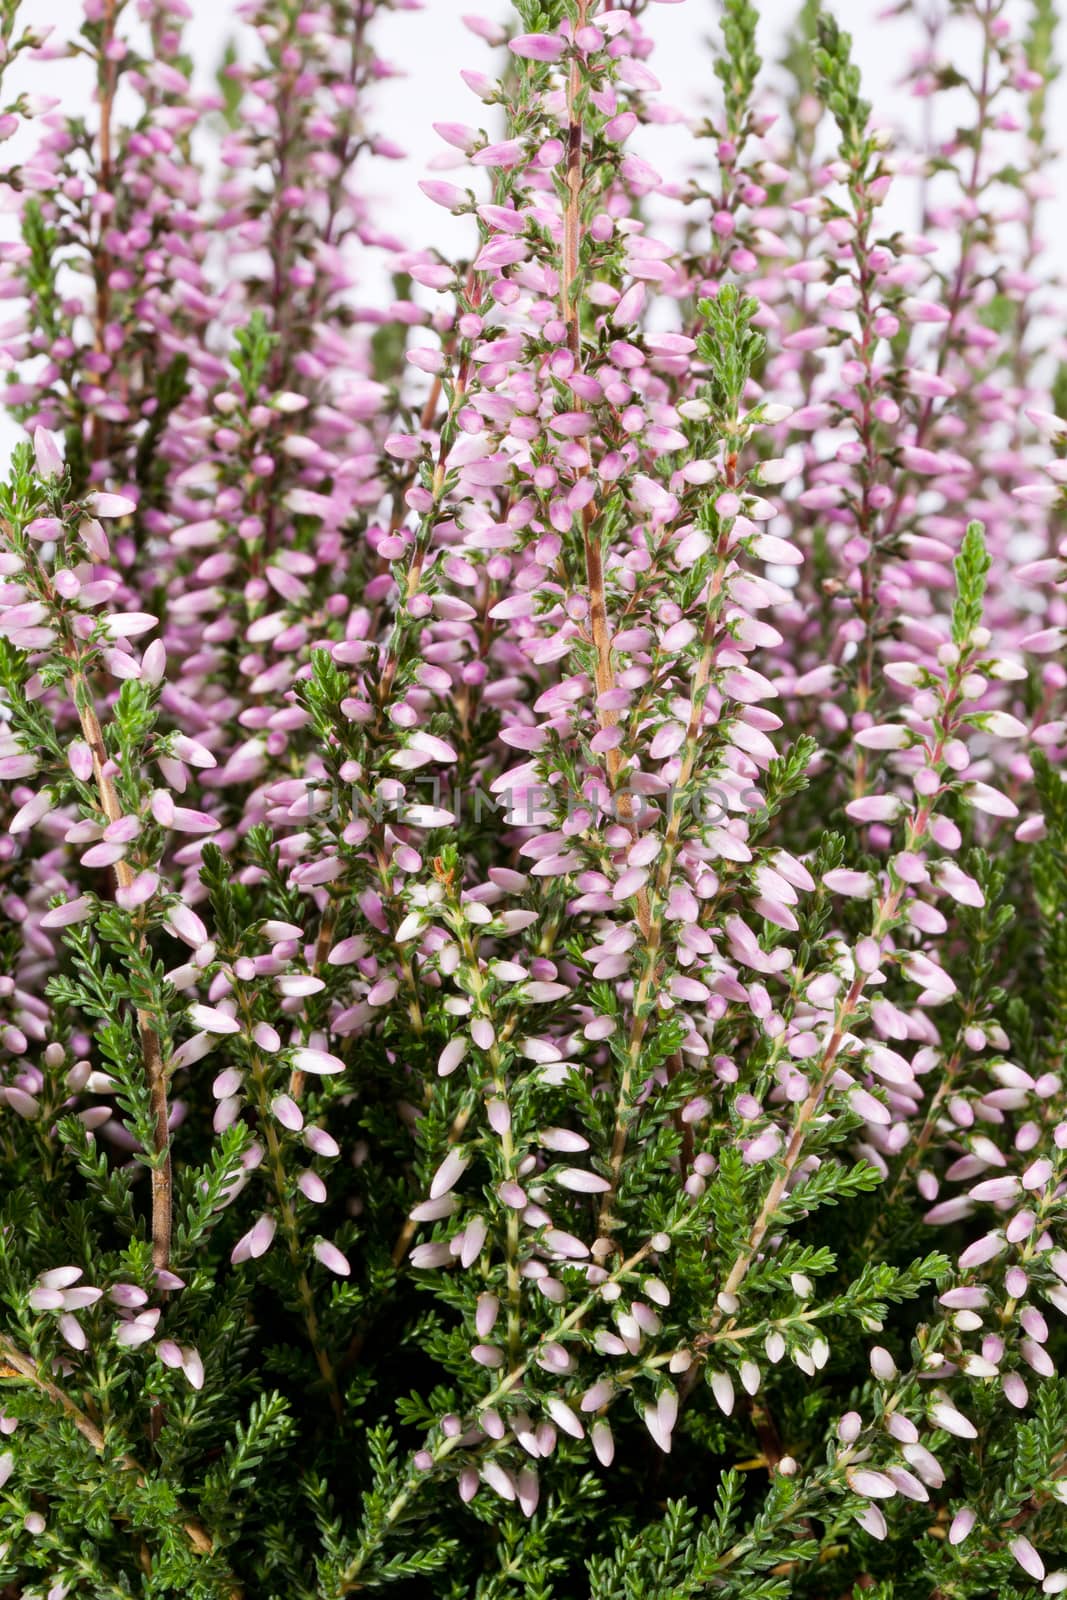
522 789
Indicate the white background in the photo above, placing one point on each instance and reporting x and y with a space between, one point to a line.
429 47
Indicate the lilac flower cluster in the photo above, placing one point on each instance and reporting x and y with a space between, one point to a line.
516 801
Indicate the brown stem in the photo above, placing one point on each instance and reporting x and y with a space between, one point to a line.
600 630
287 1218
885 919
773 1198
107 94
766 1431
866 516
101 264
349 1578
155 1072
401 1246
27 1368
652 927
600 627
571 211
323 943
292 1239
957 295
925 1134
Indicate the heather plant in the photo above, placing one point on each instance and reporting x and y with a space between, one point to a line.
534 837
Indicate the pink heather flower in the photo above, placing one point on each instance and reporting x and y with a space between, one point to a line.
537 46
430 1255
985 798
763 1147
78 1299
499 1480
46 453
497 537
505 154
843 880
331 1258
1037 1174
45 1299
872 1521
138 1330
944 1415
44 529
451 1056
130 1295
630 305
984 1249
443 194
312 1187
128 624
660 1419
288 1112
887 737
169 1353
256 1242
32 812
961 1525
186 925
582 1182
60 1277
112 505
318 1062
321 1143
72 912
872 1485
723 1390
448 1174
603 1442
882 1364
1027 1557
213 1020
875 808
996 1189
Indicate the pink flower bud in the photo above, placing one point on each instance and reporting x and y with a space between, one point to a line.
537 46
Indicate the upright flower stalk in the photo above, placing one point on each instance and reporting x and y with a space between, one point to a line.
154 1068
533 924
79 656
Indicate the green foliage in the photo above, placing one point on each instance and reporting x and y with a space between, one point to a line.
532 1235
738 67
172 385
838 85
388 341
971 567
1040 46
228 87
730 347
254 344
